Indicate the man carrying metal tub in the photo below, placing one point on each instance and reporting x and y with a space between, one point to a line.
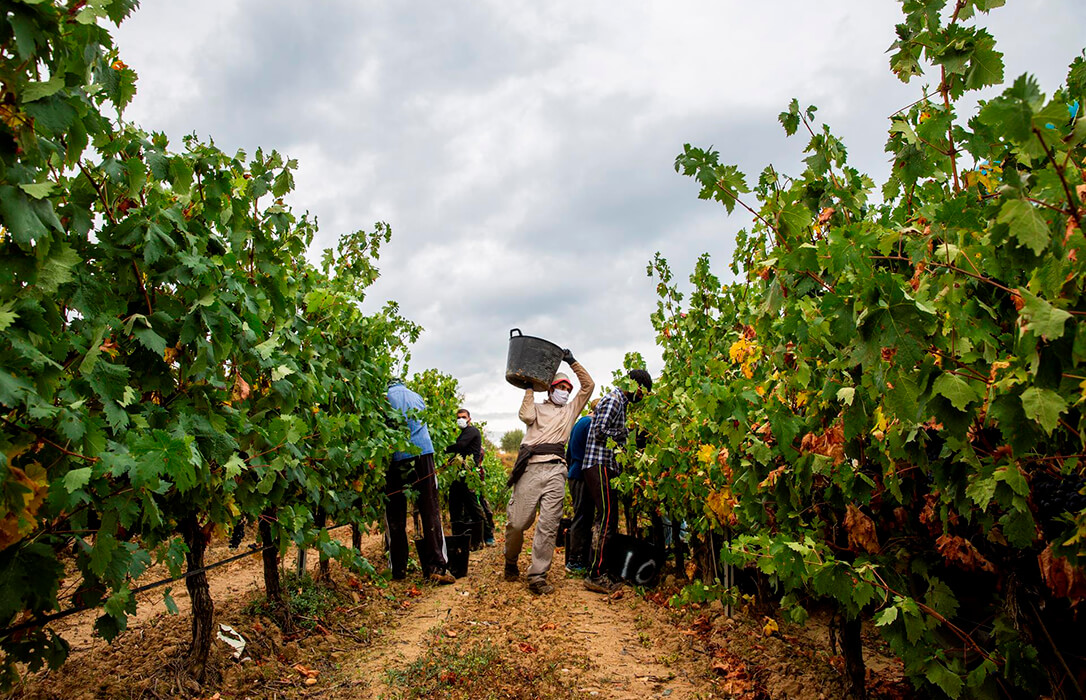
539 475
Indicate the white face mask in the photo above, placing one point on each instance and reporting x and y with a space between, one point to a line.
461 423
559 397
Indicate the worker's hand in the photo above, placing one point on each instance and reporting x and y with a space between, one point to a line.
567 356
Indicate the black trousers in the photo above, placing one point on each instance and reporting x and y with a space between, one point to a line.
488 521
466 507
579 553
598 481
418 475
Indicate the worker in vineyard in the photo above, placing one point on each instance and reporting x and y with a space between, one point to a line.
465 505
579 551
539 474
600 466
415 472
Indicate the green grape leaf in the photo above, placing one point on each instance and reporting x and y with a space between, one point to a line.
150 340
956 389
38 190
234 466
102 553
1041 317
7 316
1027 224
1044 406
1013 477
1019 527
18 216
169 602
981 490
886 617
985 65
947 681
76 479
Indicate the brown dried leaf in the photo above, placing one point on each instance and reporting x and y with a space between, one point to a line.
831 444
771 479
861 531
960 551
241 389
928 515
1071 226
1064 580
110 347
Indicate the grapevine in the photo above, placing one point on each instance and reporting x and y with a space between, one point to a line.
883 413
172 366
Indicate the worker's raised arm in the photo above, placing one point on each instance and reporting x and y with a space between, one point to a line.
527 408
587 386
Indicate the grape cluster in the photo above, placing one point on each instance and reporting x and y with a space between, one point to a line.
237 535
1055 495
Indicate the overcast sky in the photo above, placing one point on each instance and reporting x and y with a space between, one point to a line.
523 151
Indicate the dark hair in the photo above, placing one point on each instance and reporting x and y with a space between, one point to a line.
641 377
463 410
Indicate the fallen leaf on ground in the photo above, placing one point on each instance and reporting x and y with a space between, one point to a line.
527 648
307 672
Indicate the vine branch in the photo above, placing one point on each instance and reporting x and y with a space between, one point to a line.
1071 204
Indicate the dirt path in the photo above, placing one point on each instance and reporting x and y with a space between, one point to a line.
484 637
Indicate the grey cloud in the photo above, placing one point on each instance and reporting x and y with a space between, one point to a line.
523 153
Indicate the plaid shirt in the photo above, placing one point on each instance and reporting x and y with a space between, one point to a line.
609 421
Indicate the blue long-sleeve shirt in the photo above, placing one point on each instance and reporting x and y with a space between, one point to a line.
578 438
408 403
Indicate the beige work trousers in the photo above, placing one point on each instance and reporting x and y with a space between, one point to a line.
542 486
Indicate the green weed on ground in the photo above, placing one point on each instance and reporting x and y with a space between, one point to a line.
309 601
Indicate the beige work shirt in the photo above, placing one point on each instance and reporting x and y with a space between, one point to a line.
549 423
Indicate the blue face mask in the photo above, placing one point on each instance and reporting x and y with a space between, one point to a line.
559 397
